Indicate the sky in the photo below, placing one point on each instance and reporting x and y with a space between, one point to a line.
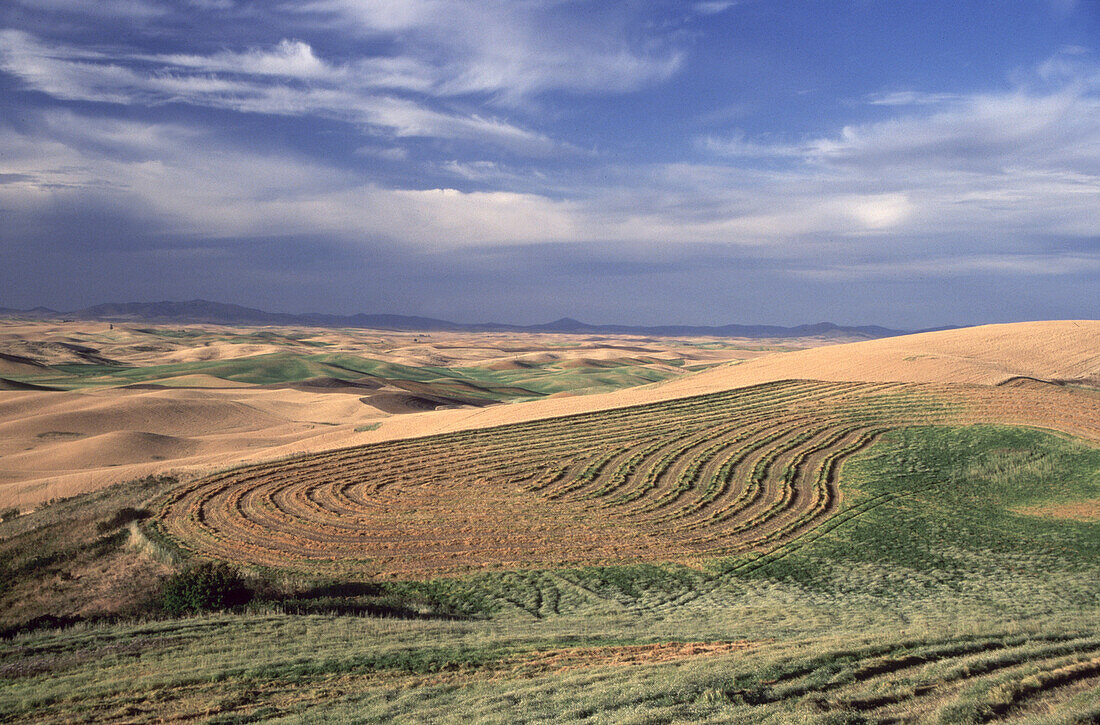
909 164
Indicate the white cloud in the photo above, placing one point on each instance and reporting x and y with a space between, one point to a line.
1018 162
289 58
735 145
713 7
509 50
878 211
249 82
199 185
974 171
389 153
196 184
910 98
985 131
438 67
476 170
1051 124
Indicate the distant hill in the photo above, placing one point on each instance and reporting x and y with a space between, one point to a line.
821 329
204 311
43 312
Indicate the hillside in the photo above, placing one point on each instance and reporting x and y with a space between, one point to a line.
785 551
1065 351
793 551
1055 351
85 404
243 424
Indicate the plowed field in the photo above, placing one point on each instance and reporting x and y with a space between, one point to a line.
684 480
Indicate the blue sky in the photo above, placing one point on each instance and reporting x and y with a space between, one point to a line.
869 161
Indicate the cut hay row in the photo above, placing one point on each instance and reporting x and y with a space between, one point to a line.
737 472
960 680
310 669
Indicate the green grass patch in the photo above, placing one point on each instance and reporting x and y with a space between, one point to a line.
936 508
289 367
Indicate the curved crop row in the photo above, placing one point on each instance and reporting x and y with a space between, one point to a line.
741 471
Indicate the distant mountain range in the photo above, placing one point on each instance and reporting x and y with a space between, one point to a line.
203 311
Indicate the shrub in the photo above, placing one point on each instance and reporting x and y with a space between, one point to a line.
9 513
204 587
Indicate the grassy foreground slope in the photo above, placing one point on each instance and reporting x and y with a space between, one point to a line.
959 585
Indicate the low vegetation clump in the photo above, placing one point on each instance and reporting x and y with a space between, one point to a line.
207 586
122 517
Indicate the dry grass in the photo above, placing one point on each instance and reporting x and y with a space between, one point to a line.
1072 511
325 670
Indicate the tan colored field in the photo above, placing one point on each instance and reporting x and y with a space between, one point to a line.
988 355
56 444
53 342
185 418
1062 351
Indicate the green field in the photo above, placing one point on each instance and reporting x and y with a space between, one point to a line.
951 588
289 367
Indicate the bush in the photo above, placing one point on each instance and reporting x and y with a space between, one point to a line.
202 588
9 514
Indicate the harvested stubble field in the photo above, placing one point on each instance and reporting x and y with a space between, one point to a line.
745 472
